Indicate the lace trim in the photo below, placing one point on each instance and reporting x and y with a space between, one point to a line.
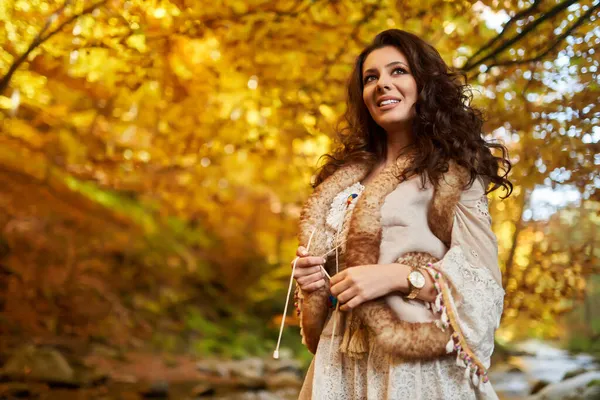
339 208
482 208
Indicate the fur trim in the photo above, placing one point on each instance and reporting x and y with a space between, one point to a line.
314 310
446 195
363 241
409 341
364 236
314 212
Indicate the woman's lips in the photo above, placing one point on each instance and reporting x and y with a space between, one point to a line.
388 106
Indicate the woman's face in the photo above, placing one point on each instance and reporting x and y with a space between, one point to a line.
389 89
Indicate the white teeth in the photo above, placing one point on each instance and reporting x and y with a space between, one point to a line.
386 102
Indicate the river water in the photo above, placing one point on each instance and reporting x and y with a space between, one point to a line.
515 379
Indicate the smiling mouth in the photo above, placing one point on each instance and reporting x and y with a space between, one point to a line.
388 103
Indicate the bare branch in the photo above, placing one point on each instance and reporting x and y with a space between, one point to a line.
42 37
554 44
515 18
470 64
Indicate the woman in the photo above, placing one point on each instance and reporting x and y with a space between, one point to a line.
415 293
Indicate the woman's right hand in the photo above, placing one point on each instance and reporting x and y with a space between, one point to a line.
308 273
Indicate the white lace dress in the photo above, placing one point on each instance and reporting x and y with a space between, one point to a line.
470 267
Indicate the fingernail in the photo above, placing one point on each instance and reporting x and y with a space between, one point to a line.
324 260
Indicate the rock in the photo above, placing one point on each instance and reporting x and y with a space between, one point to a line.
580 387
39 364
91 377
539 385
514 369
574 373
592 392
124 378
157 390
249 372
287 394
283 365
203 390
18 391
105 351
213 368
283 380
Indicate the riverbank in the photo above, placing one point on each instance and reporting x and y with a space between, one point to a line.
61 373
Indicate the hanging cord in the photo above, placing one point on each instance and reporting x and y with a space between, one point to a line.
287 298
335 315
326 253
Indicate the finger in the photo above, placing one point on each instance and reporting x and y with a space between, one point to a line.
355 302
301 272
314 286
339 287
346 295
305 280
301 252
295 260
338 277
305 262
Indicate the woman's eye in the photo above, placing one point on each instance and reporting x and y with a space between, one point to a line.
368 78
399 69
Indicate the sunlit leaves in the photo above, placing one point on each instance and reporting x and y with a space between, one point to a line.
215 114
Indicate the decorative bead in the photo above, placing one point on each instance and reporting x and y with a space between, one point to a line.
331 301
485 379
350 198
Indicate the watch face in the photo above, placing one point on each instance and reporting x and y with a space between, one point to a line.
416 279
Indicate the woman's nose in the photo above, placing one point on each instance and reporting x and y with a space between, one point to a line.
383 84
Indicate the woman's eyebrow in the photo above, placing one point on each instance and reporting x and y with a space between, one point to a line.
388 65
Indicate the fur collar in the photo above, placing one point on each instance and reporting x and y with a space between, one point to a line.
364 231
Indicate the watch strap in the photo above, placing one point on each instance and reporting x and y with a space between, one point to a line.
414 291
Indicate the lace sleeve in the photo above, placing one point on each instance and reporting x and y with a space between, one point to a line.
468 281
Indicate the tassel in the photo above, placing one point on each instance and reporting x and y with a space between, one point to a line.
438 302
459 360
467 371
358 343
444 316
354 343
450 346
347 333
475 379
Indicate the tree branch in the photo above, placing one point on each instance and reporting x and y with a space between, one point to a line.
505 29
41 38
470 64
550 48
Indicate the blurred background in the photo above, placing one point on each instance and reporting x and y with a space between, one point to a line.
154 156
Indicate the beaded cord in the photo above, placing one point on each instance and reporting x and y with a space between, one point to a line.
464 357
296 297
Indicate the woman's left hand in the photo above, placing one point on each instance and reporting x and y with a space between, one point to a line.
356 285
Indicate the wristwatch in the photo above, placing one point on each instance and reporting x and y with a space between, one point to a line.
416 282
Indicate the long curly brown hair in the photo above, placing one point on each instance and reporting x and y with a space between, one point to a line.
446 126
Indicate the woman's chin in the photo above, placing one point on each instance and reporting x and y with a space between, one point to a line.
391 121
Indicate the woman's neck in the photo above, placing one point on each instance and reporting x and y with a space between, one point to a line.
396 143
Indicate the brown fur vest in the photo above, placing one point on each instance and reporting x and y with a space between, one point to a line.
373 322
